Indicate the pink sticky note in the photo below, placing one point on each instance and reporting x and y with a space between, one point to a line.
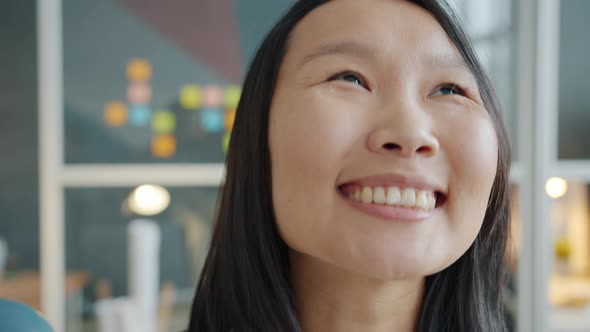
212 96
139 93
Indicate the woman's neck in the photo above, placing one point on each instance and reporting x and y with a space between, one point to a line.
331 299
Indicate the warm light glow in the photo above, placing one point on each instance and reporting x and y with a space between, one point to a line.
556 187
149 200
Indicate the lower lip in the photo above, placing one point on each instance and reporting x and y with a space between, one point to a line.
391 213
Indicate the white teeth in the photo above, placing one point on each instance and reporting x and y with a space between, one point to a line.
394 196
367 195
408 197
379 195
431 202
421 200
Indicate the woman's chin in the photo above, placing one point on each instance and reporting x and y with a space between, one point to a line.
396 268
387 272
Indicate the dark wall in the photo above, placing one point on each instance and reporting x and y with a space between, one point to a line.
19 212
574 68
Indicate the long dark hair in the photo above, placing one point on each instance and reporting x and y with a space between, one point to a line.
245 282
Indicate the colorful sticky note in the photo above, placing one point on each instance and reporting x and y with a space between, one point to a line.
139 70
212 120
229 119
139 115
139 93
225 142
212 96
163 146
231 97
115 114
191 97
164 122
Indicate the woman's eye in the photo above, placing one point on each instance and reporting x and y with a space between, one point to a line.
448 89
349 77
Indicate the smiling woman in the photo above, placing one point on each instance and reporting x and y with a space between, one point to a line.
366 184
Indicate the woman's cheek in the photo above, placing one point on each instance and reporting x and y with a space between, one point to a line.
471 142
318 132
308 147
473 153
484 156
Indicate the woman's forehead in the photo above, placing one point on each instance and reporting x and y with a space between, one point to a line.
381 25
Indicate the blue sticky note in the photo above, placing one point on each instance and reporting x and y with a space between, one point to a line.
212 120
139 115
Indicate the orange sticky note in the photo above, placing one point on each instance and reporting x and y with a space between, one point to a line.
139 70
229 119
115 114
164 146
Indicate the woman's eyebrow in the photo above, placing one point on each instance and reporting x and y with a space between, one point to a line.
447 61
363 50
356 49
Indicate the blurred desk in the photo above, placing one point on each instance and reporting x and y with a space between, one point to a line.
570 300
25 287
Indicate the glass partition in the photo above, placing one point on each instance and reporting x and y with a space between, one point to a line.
135 245
574 101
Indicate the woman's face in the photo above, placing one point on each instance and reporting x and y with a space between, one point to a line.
383 155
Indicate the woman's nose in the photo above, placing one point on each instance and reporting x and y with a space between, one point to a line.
406 134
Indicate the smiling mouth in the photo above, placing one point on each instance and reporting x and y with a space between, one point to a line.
393 196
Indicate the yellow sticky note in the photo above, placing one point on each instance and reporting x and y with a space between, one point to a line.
164 146
225 141
163 122
191 97
115 114
139 70
231 96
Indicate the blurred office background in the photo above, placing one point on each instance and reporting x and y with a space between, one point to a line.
114 119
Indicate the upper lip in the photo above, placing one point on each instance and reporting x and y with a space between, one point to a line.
398 180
